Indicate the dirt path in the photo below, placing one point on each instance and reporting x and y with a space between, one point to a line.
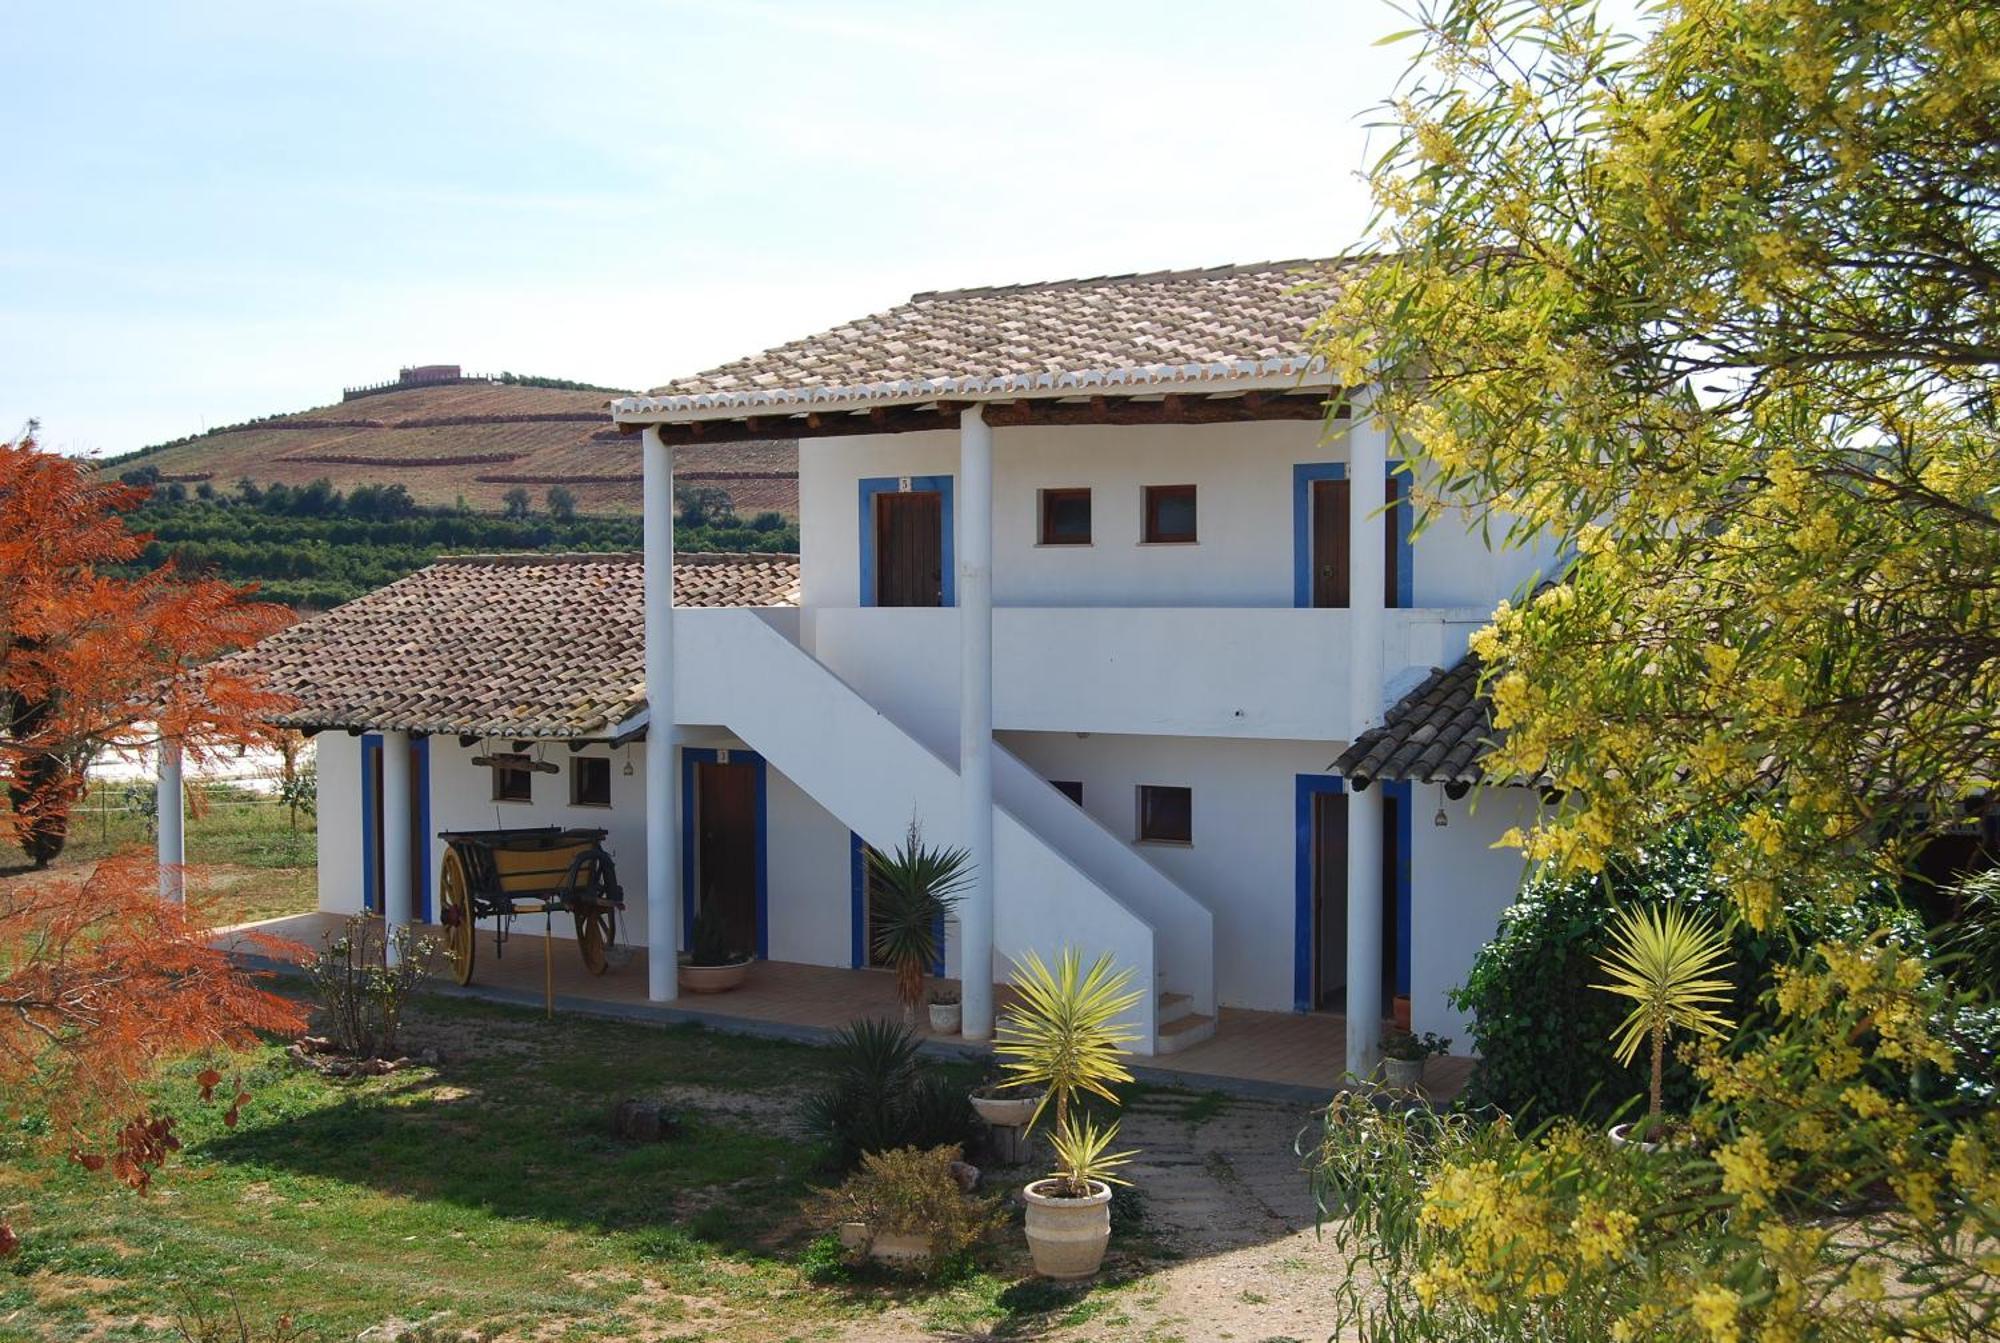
1226 1198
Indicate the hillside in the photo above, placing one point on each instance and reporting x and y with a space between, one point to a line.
470 440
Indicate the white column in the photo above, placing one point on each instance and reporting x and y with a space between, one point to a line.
663 815
170 818
396 846
975 716
1367 471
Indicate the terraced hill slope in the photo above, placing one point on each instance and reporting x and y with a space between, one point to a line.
471 440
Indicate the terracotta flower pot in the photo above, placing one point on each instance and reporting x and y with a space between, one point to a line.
714 978
1067 1236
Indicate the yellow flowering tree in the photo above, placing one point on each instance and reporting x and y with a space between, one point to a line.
1713 309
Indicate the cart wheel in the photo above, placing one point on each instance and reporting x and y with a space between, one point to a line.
455 913
595 933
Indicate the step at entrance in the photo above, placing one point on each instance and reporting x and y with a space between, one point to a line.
1190 1028
1174 1006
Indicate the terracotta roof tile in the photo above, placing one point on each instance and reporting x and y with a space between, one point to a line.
507 646
1222 315
1437 733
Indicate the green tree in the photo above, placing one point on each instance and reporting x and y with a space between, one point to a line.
1711 311
561 502
517 502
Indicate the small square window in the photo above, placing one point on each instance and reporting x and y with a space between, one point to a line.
590 781
1065 517
1169 513
1069 788
1166 814
513 781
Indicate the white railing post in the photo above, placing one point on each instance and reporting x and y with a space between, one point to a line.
975 716
1367 471
663 837
170 820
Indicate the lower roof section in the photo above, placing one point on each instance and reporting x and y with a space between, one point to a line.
508 646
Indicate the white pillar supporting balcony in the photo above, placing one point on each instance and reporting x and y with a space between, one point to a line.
170 818
397 847
1367 466
663 817
975 716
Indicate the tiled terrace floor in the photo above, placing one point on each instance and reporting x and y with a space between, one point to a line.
1251 1051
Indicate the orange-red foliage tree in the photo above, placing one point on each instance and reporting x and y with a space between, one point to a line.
90 660
101 982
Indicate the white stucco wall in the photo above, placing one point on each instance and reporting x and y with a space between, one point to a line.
1244 556
1240 864
811 879
338 811
1459 884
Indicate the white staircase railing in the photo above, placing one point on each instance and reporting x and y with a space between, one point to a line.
733 670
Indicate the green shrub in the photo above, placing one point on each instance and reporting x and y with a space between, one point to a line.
909 1191
882 1097
1544 1032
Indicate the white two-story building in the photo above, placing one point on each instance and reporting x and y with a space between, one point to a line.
1089 583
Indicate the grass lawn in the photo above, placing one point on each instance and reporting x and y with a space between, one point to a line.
248 860
486 1194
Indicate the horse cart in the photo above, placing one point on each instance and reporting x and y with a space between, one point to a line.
546 870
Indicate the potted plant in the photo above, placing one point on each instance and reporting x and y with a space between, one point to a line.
711 964
908 1208
945 1010
1062 1035
1404 1056
913 889
1669 962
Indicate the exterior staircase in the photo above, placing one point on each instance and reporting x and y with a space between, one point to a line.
1063 880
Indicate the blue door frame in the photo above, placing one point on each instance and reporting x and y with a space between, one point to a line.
1303 476
1309 786
420 834
702 755
874 485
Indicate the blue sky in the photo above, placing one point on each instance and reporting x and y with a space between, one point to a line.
227 210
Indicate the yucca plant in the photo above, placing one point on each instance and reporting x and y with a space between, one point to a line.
1062 1034
913 890
1669 961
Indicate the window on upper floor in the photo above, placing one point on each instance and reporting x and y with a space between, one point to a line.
1169 514
589 781
1065 517
513 781
1166 814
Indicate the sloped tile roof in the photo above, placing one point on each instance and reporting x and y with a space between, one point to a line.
529 646
1435 734
1166 326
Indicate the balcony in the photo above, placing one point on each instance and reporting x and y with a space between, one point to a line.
1256 672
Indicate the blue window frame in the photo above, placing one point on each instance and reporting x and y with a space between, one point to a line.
1308 787
874 485
1303 476
700 755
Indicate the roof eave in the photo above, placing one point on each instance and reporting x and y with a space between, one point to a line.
1281 373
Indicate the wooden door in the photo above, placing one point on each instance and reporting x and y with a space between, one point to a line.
1329 901
909 549
726 848
1329 542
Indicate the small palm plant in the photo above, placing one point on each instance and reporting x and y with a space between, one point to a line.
913 890
1062 1035
1668 961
